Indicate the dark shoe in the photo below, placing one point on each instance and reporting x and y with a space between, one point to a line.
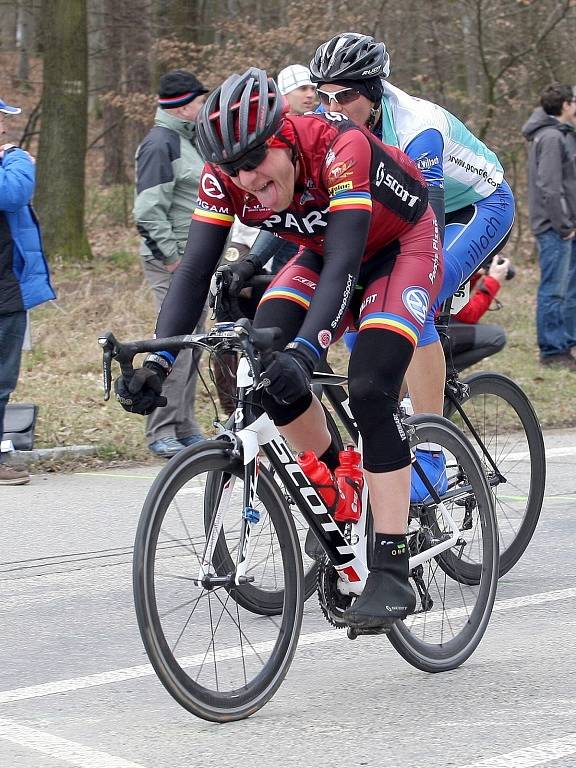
10 475
312 546
191 439
565 360
385 599
166 447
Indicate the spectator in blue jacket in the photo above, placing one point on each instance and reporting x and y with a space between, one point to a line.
24 276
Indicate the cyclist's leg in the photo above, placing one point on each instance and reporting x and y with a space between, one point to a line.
472 235
392 315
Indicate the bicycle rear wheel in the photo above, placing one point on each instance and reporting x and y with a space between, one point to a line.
452 610
217 659
506 423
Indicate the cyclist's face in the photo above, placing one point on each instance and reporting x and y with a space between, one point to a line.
358 110
272 182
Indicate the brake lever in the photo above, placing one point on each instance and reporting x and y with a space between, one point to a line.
107 342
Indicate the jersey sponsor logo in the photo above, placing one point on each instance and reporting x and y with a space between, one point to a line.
330 157
211 186
336 117
324 338
416 300
216 208
304 281
340 171
388 180
469 168
367 301
435 246
424 162
339 188
310 224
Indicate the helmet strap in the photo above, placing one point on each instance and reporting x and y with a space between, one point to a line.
375 110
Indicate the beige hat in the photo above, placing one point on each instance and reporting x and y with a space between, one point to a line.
293 77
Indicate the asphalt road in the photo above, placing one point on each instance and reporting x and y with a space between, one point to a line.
76 689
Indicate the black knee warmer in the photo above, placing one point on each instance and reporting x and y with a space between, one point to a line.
280 413
377 367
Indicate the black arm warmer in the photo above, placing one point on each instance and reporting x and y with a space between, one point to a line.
184 302
344 246
436 202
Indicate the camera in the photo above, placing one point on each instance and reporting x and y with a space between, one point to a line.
511 268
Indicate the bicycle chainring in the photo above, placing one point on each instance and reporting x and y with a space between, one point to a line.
332 602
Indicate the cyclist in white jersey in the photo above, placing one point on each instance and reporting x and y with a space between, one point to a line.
473 203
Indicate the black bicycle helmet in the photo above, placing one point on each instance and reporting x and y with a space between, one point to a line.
240 115
349 56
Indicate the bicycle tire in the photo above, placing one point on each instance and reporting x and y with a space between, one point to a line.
158 554
495 398
423 638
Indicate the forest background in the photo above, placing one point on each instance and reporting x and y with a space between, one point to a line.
85 73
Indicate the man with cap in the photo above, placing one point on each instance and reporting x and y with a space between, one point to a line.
24 276
168 169
296 86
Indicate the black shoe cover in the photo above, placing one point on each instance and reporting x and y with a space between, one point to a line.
385 599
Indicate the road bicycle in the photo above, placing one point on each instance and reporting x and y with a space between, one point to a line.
488 407
218 578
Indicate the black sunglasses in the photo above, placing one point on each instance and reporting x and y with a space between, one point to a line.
248 162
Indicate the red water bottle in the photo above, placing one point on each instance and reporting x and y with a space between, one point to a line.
350 479
323 481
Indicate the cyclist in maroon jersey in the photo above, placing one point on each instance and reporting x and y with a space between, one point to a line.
360 211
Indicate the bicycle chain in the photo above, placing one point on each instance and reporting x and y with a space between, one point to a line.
332 602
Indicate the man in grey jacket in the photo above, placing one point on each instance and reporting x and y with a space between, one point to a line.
552 200
168 169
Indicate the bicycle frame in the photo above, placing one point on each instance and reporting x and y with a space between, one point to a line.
349 558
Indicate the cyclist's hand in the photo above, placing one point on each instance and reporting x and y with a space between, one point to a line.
499 268
235 276
143 392
287 377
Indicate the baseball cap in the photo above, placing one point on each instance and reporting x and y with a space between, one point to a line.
178 88
293 77
8 110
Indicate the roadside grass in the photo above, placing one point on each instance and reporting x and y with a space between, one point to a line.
62 373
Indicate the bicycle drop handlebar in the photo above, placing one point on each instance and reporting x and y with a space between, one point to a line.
238 335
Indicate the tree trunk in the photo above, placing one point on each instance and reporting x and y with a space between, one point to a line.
8 25
137 47
62 146
114 170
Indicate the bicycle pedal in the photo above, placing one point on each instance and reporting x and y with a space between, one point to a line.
354 632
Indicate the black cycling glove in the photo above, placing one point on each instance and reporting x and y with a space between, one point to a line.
143 392
235 276
287 378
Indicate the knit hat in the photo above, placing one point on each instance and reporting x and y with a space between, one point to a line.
293 77
8 110
178 88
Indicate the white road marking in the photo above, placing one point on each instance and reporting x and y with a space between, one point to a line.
524 758
61 749
314 638
551 453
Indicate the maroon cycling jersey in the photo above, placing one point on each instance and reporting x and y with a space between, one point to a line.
342 168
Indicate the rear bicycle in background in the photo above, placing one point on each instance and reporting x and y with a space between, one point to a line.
218 580
498 418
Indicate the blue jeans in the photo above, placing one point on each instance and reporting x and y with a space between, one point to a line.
570 301
555 295
12 329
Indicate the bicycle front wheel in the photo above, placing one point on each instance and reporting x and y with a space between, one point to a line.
505 422
452 610
219 660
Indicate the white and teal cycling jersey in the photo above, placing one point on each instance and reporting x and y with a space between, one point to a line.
446 152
